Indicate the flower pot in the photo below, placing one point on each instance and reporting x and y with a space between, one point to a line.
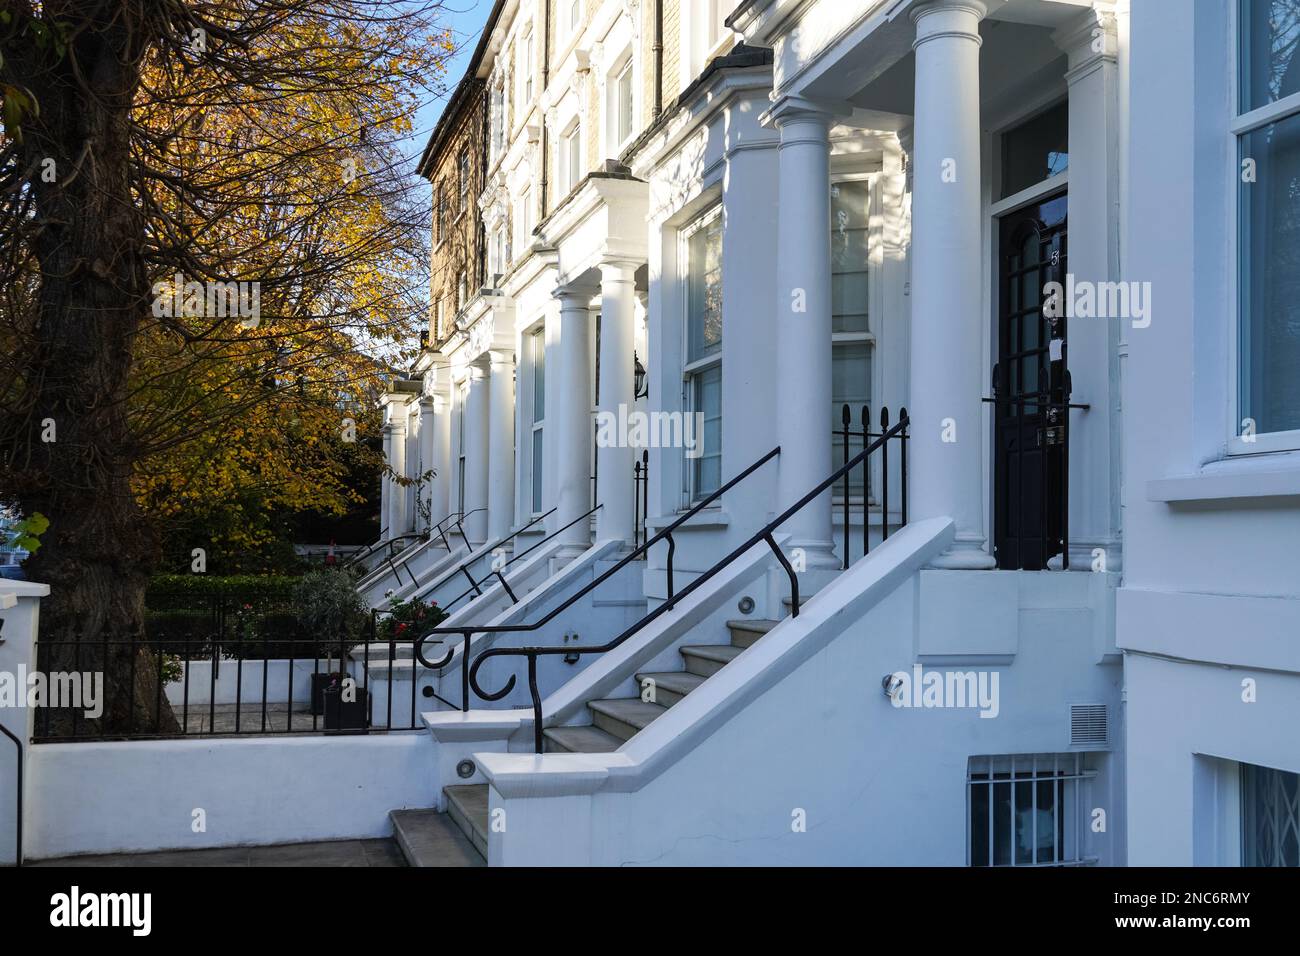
343 714
318 684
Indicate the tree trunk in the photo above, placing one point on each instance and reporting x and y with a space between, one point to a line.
97 552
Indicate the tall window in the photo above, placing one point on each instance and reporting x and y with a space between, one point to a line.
538 354
1270 817
523 215
526 65
460 448
850 336
622 106
464 179
1267 128
571 157
462 291
1026 809
440 209
703 372
499 248
498 120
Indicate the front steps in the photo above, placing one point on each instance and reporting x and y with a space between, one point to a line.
459 837
430 838
455 838
617 720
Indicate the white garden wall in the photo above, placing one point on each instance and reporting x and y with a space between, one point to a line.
144 795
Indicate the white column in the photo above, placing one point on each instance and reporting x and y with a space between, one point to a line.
428 428
571 417
476 455
501 444
440 489
1090 41
385 483
395 444
945 465
803 327
615 518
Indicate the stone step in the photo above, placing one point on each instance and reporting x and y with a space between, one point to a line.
467 807
579 740
430 838
669 686
745 632
624 717
707 659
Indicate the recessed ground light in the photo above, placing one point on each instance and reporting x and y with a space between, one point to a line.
465 769
746 605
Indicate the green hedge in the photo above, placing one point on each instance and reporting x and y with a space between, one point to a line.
165 590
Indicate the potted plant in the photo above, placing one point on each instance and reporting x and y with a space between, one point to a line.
344 704
330 610
408 620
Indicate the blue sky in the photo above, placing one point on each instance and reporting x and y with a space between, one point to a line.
466 19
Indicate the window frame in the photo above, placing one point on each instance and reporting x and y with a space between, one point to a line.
1074 793
866 337
527 55
625 68
537 426
571 156
1240 125
693 369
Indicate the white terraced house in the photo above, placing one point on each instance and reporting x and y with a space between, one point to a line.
1031 281
863 432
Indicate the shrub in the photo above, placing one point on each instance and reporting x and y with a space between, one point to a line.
408 620
330 610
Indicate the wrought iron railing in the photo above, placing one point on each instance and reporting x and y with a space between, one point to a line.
282 684
476 587
641 496
466 632
849 436
766 535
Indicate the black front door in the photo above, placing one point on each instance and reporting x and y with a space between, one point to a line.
1030 381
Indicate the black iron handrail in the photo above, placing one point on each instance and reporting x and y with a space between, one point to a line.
476 587
360 556
18 823
665 534
457 518
764 534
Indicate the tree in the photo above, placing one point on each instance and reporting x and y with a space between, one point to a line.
203 218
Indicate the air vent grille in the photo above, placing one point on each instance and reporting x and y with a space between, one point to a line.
1088 725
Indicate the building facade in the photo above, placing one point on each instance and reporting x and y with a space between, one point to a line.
771 232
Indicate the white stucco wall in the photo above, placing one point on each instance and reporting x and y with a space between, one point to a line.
1211 591
142 795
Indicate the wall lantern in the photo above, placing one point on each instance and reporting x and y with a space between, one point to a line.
640 387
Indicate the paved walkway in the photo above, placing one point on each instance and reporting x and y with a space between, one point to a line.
332 853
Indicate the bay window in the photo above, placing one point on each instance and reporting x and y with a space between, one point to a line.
1267 168
702 386
850 333
537 355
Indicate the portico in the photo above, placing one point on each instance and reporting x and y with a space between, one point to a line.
958 84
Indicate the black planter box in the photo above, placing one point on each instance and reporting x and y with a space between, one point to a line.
343 714
318 684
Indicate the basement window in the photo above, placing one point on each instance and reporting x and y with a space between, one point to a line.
1027 810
